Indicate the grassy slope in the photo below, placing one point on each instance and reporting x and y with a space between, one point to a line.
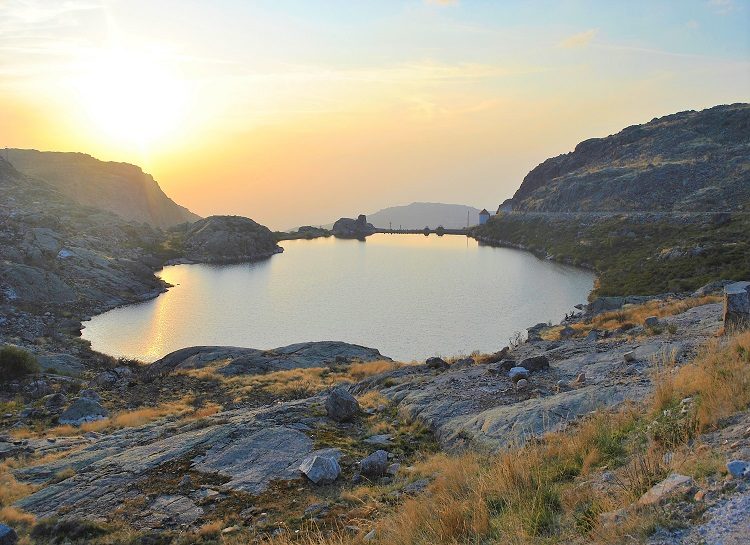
625 250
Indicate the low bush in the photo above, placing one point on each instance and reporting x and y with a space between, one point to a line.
16 363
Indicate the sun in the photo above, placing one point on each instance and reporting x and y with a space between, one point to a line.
131 98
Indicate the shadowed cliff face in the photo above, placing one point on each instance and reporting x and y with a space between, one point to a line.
117 187
688 161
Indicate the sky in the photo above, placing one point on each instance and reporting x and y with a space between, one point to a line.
298 112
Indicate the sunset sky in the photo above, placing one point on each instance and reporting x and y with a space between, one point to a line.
299 112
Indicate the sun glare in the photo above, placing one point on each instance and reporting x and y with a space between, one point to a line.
130 98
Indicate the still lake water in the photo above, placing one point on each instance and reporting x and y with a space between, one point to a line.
409 296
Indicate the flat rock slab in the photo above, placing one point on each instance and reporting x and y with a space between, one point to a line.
254 461
250 447
235 361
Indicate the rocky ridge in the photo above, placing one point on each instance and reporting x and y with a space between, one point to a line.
120 188
688 161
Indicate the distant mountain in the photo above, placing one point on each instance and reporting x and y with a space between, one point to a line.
421 214
689 161
116 187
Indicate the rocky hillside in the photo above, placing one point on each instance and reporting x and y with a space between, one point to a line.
117 187
56 252
689 161
657 207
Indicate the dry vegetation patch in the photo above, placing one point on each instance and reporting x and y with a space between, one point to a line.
552 490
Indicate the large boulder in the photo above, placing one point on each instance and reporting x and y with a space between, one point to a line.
351 228
321 469
375 465
737 305
341 406
83 410
8 535
535 363
226 239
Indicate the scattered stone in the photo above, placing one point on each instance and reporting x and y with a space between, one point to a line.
393 468
517 373
522 384
186 484
375 465
341 406
436 363
88 393
535 363
37 389
82 410
117 377
230 530
580 380
55 402
8 535
177 508
612 518
417 487
321 469
629 356
670 487
315 509
651 321
370 536
463 362
592 336
381 440
700 495
738 468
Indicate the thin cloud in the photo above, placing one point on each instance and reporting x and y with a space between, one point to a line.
442 2
722 7
582 39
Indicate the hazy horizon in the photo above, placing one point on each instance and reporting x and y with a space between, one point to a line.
298 113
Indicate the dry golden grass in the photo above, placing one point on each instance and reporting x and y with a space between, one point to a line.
16 517
300 381
541 492
63 474
211 529
125 419
719 380
636 314
10 489
372 400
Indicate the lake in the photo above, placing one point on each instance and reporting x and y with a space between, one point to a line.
409 296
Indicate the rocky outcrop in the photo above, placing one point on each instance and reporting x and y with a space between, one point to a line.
82 410
116 187
351 228
227 239
229 361
737 305
688 161
479 404
55 252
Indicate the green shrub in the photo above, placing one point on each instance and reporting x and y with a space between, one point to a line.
15 363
